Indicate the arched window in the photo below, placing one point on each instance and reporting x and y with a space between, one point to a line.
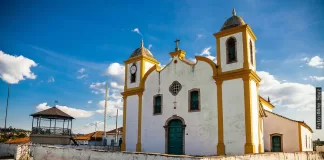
157 104
231 50
251 52
194 100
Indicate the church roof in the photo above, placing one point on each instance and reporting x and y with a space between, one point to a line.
232 22
141 51
52 112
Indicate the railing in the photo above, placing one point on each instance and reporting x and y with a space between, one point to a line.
51 131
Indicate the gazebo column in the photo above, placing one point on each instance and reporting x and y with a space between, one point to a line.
39 123
63 126
33 123
55 127
71 128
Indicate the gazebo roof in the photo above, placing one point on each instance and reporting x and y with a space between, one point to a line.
52 113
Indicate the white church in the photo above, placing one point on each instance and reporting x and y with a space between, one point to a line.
205 108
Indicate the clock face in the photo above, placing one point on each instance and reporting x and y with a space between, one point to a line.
133 69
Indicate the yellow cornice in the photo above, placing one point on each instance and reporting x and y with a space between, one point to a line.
239 73
132 91
180 53
141 58
262 100
242 28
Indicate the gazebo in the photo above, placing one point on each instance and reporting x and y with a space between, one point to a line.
51 126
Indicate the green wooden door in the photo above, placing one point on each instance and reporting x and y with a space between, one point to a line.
276 144
175 137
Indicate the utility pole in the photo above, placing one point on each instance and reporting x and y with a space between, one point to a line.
105 113
7 107
116 128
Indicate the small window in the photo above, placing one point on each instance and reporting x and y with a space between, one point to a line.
194 100
157 104
231 50
133 78
251 52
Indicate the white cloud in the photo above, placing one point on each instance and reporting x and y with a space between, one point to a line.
74 112
287 94
98 123
116 85
199 36
150 46
15 68
315 78
51 79
82 76
98 87
90 101
81 70
316 62
112 106
116 70
205 52
136 30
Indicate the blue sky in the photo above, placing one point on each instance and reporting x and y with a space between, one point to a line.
75 46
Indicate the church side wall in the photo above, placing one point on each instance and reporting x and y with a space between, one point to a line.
289 130
255 115
233 116
138 76
305 132
239 52
201 129
131 122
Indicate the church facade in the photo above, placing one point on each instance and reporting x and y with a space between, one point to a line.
199 108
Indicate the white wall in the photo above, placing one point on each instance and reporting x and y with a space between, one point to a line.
305 132
234 116
201 130
131 122
239 52
255 115
147 66
55 153
138 76
288 128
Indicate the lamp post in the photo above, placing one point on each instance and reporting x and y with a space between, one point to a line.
7 109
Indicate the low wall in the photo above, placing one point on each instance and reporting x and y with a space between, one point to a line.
319 148
57 153
19 151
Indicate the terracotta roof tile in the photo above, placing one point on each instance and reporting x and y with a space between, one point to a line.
54 112
18 140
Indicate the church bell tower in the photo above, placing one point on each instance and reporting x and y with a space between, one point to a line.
139 62
237 88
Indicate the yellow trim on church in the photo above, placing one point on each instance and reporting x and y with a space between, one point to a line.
268 104
220 145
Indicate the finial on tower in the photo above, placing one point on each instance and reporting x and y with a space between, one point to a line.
177 44
268 99
142 43
233 12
